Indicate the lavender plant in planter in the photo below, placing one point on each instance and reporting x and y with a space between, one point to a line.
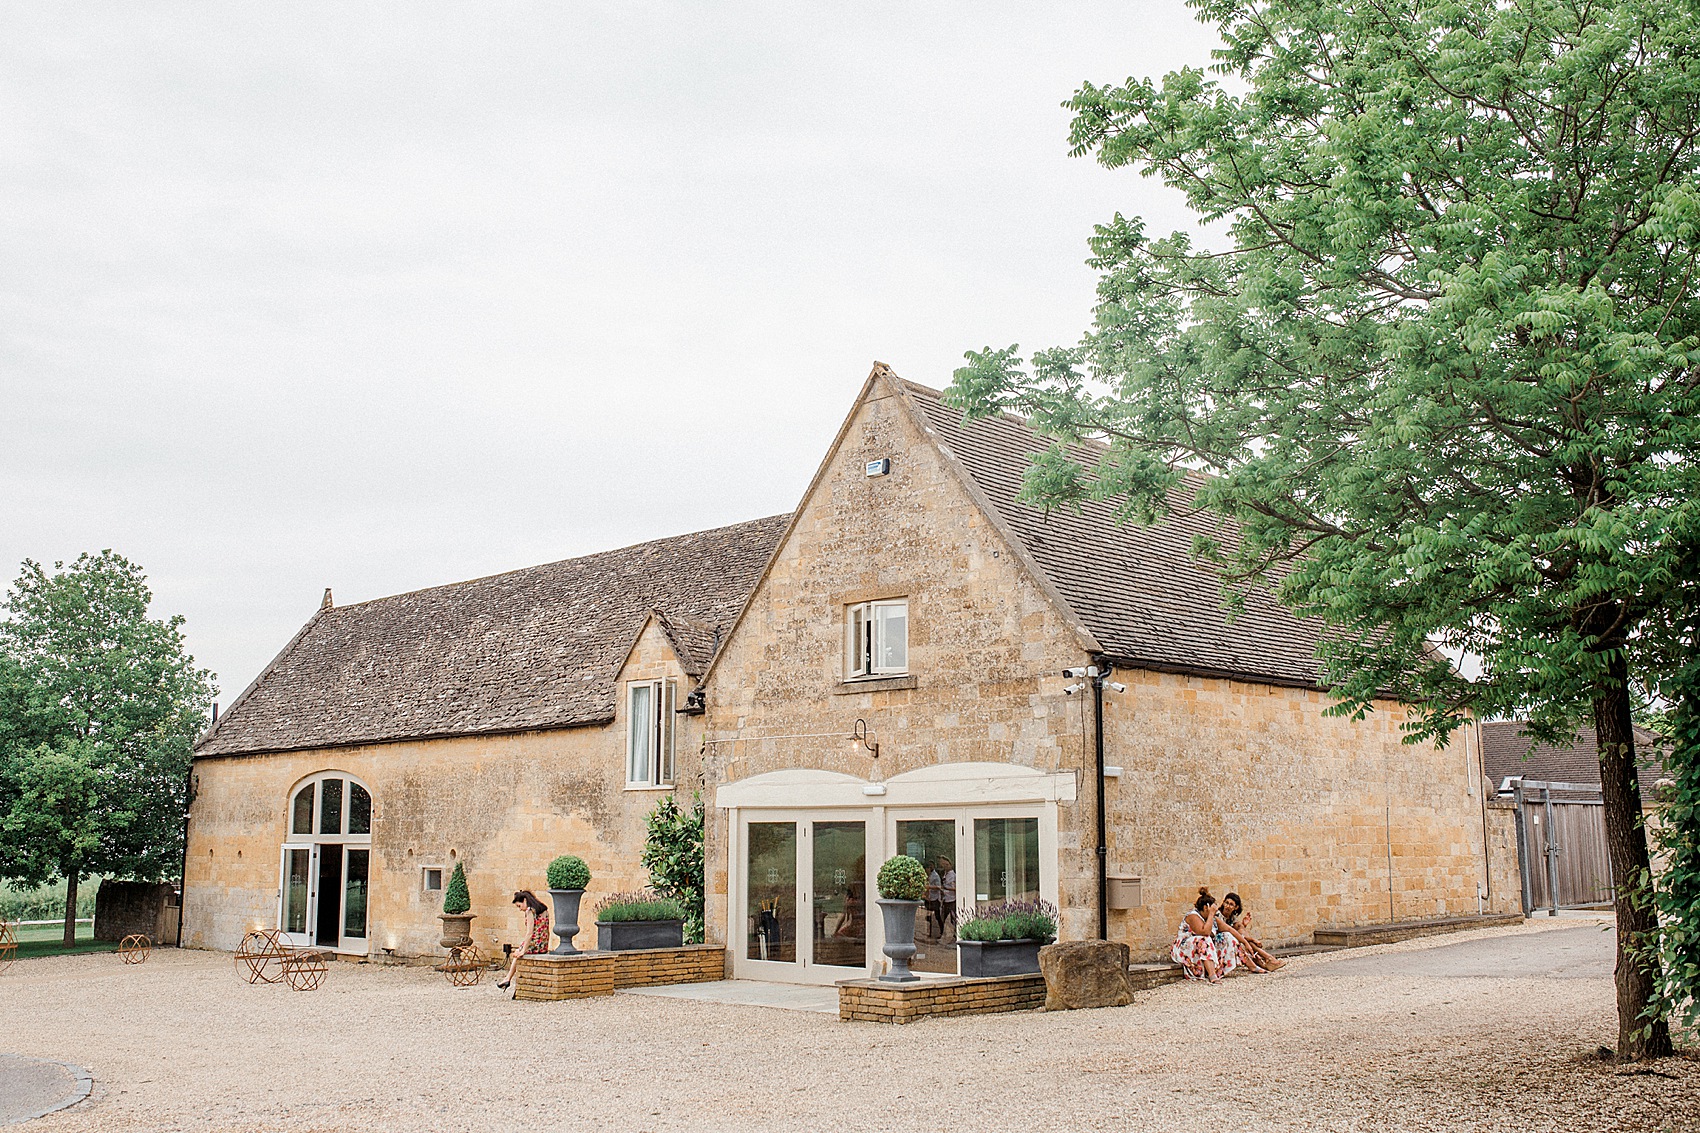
567 877
901 881
1004 939
643 919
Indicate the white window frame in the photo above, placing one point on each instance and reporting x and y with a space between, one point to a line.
657 727
863 640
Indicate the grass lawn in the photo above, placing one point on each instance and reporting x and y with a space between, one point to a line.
47 940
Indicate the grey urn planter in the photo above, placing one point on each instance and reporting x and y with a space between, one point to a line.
623 936
899 943
982 958
566 919
457 929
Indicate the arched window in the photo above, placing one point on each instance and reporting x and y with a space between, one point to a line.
327 861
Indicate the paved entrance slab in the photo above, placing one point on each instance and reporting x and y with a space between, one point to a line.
35 1087
750 993
1585 952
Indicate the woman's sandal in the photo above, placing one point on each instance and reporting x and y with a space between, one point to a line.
502 985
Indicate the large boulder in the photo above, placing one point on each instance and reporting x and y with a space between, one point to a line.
1085 973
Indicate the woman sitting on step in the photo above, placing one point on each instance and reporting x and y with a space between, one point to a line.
536 934
1202 946
1238 923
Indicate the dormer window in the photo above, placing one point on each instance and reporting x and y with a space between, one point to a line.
877 636
649 733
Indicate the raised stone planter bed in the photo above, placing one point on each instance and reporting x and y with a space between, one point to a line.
581 975
1362 936
879 1001
623 936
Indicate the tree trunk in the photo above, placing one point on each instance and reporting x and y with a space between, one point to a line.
1637 919
70 907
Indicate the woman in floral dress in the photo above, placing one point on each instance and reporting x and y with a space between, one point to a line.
536 933
1201 947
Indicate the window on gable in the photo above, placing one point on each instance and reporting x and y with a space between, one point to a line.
649 733
877 638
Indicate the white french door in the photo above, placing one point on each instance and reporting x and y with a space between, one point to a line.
803 901
322 895
801 908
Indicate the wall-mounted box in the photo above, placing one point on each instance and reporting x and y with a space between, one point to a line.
1125 893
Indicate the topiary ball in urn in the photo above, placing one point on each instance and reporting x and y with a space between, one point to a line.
567 876
457 916
902 882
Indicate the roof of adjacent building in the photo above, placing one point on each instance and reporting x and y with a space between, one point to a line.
1137 589
1508 752
529 649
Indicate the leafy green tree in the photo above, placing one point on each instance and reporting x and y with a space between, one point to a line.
1442 373
673 855
99 708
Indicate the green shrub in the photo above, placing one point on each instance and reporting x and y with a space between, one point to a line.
568 872
46 903
456 899
672 853
642 905
902 879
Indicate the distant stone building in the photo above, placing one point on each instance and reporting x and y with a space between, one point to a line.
880 672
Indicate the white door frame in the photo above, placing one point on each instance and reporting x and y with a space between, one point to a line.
803 969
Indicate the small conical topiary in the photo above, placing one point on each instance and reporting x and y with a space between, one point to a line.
456 899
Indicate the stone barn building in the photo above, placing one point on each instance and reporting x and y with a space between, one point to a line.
880 672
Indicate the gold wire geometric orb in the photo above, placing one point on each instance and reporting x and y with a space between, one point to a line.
134 949
304 968
259 958
465 966
8 946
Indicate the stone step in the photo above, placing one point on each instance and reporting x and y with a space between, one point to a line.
1362 936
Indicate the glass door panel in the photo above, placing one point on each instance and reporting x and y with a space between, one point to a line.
771 892
297 872
840 895
354 888
327 896
932 842
1006 860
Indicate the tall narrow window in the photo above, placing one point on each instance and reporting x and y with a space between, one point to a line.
650 755
877 638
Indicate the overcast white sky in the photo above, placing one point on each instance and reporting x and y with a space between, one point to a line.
377 297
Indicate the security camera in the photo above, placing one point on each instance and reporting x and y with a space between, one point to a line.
1070 690
1088 671
1118 686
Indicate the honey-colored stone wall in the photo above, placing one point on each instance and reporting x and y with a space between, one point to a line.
1313 819
1505 876
502 805
986 646
1226 783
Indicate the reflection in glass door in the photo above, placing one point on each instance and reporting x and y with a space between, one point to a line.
297 868
771 892
1006 860
932 842
354 897
840 899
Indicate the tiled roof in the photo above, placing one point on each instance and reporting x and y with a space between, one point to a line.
1509 752
534 648
1138 590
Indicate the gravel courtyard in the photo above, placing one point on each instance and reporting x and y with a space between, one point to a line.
1488 1030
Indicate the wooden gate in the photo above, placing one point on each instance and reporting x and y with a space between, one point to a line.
1561 839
